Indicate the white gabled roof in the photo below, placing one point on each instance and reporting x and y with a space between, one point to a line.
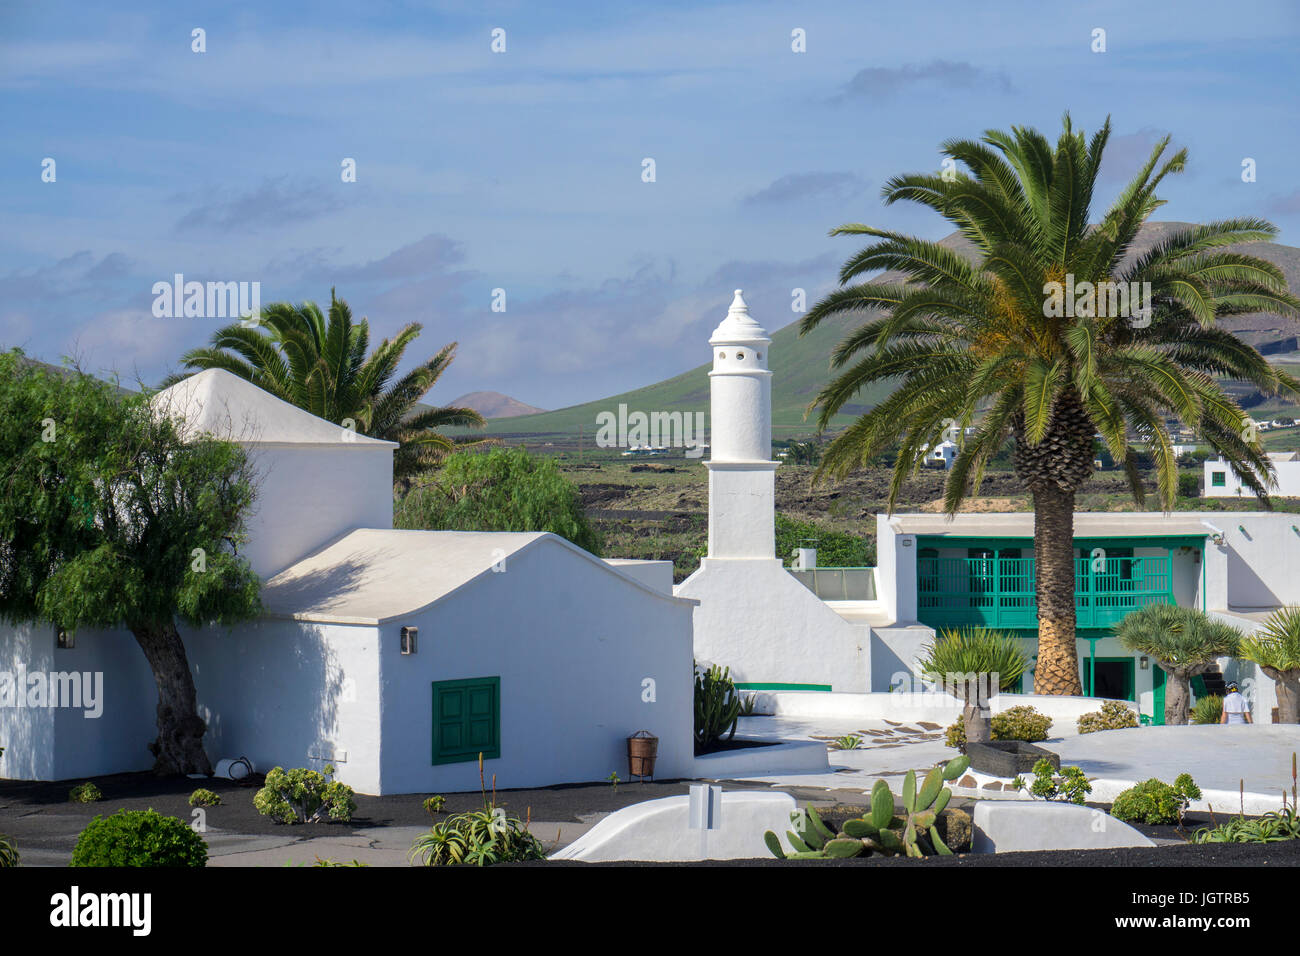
374 575
221 403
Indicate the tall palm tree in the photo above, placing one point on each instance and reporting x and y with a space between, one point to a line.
320 365
985 341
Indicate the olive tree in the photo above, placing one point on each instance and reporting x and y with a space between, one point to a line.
110 518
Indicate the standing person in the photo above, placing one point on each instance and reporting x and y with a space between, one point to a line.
1235 708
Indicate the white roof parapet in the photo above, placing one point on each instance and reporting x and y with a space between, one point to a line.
1021 524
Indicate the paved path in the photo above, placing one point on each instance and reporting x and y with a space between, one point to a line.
1217 757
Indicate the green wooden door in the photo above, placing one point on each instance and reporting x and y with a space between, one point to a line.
466 719
1158 697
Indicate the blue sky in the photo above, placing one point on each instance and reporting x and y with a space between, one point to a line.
522 170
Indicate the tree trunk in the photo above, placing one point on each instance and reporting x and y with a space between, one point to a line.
179 747
1057 671
979 723
1287 685
1178 693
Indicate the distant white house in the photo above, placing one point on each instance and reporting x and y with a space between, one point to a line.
398 656
1221 482
941 455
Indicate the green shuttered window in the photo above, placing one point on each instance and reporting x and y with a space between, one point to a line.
466 719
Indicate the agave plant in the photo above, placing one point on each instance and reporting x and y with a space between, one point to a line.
1183 641
8 853
973 664
1275 647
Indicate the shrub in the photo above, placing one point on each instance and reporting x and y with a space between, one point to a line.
8 852
1014 723
1189 485
1208 710
139 838
204 798
506 489
835 549
847 742
479 837
1153 802
1112 716
1070 787
717 706
85 793
301 796
434 804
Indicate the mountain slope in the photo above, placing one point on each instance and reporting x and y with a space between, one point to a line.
801 365
494 405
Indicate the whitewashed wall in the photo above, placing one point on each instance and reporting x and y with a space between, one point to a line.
572 640
757 619
308 495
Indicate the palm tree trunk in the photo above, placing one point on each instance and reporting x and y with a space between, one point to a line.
179 747
1178 695
979 723
1057 671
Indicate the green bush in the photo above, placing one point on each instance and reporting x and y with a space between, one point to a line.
1153 802
478 837
8 852
1189 484
1071 786
1112 716
500 490
139 838
835 549
434 804
85 793
1207 710
1014 723
204 798
301 796
717 706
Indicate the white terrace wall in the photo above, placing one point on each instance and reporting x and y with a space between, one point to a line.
573 642
308 495
1261 553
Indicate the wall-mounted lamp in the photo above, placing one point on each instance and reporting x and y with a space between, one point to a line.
1217 539
409 635
66 640
1144 662
907 542
1241 528
1295 529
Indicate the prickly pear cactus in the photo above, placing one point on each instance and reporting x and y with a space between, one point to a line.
879 830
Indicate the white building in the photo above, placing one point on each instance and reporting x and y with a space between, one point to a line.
753 615
941 455
1222 482
526 648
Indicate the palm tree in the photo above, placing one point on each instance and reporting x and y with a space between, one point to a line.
321 366
966 663
1275 647
1184 643
961 341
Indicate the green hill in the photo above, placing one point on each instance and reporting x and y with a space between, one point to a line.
801 365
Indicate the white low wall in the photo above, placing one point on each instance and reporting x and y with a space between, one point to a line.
657 830
795 757
907 707
1008 827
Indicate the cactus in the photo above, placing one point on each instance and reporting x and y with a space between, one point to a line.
880 830
717 706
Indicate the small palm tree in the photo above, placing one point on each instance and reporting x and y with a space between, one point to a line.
320 365
993 341
1275 647
967 663
1184 642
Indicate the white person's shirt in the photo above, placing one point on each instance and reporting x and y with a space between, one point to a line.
1235 706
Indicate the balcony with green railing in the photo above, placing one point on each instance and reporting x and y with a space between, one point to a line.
999 591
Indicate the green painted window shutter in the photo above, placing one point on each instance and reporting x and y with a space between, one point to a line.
466 719
1219 479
